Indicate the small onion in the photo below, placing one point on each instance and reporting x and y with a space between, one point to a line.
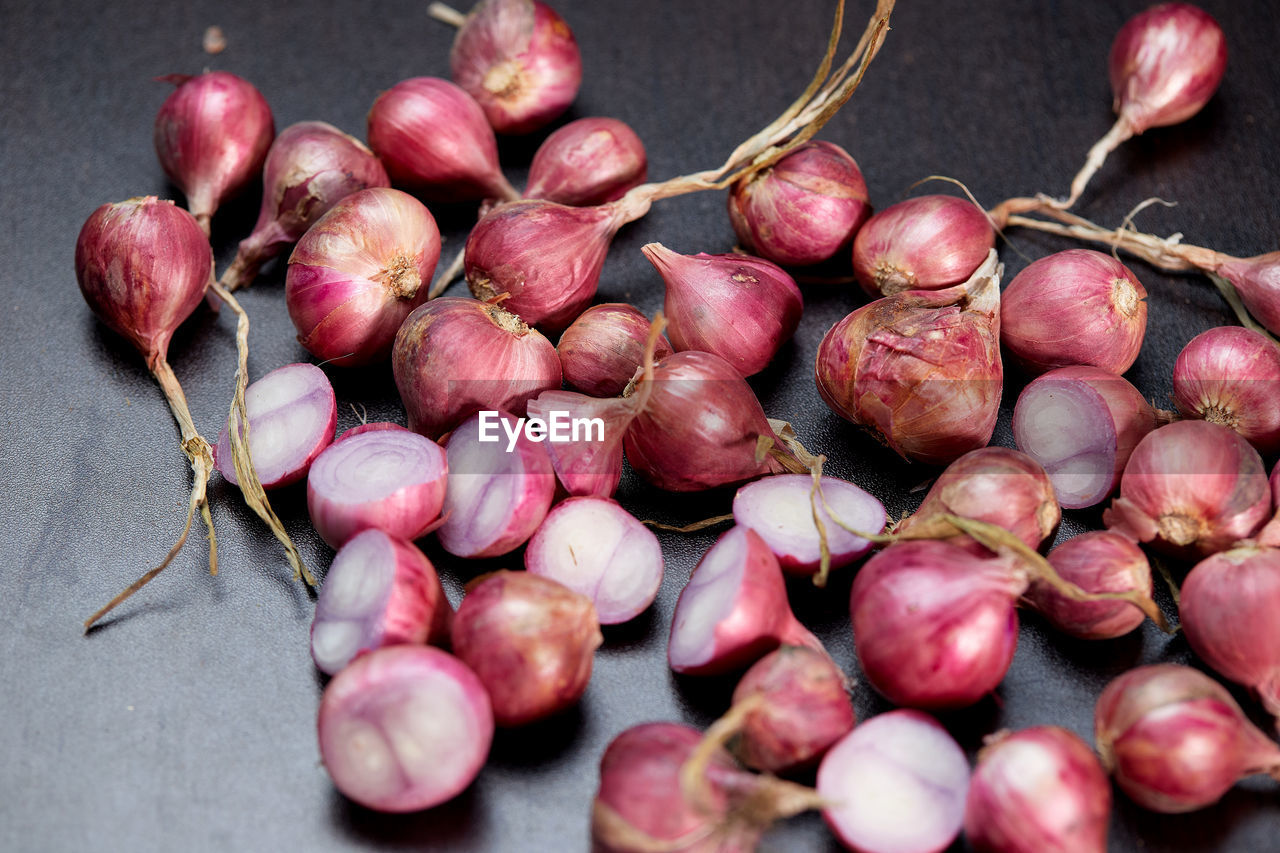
587 161
1229 376
602 350
589 462
1096 561
1257 279
925 243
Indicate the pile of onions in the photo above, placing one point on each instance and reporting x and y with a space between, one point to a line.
1228 375
929 242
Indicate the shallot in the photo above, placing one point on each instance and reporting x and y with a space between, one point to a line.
587 161
602 350
929 242
1229 376
585 436
1095 561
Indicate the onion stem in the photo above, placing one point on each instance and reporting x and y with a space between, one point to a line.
446 14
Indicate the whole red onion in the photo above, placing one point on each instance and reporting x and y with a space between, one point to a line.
1257 280
802 210
1038 790
602 349
1228 376
925 243
454 356
1229 607
434 140
741 308
357 273
920 369
587 161
1191 488
519 60
1175 740
212 135
310 167
1078 306
1096 561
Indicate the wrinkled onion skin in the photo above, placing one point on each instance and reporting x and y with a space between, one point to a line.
587 161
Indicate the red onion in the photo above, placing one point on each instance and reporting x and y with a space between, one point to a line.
921 370
588 462
379 591
434 140
925 243
1039 790
587 161
780 509
1229 609
1257 280
741 308
1175 740
596 548
734 609
211 135
895 784
404 728
1081 424
390 480
455 356
1228 376
804 209
519 60
498 495
292 412
310 167
530 640
357 273
1191 488
602 350
1096 561
996 485
1074 307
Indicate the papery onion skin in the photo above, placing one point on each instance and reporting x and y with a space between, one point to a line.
1095 561
802 210
587 161
1229 376
601 351
454 356
1078 306
925 243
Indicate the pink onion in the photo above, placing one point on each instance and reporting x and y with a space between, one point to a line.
434 140
1081 424
921 370
357 273
1175 740
734 609
596 548
1257 280
602 350
519 60
310 167
496 497
1096 561
929 242
379 591
1074 307
587 161
1229 608
404 728
292 413
530 640
741 308
390 480
802 210
211 135
780 510
1228 376
455 356
1191 488
588 462
895 784
371 426
1038 790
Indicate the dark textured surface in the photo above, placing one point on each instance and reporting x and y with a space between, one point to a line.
188 720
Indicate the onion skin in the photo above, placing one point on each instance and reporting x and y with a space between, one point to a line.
211 135
934 626
1038 790
1257 280
741 308
602 349
587 467
921 370
1073 307
1228 376
929 242
1175 740
802 210
356 274
1095 561
405 125
455 356
530 640
1191 488
519 60
1228 608
587 161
